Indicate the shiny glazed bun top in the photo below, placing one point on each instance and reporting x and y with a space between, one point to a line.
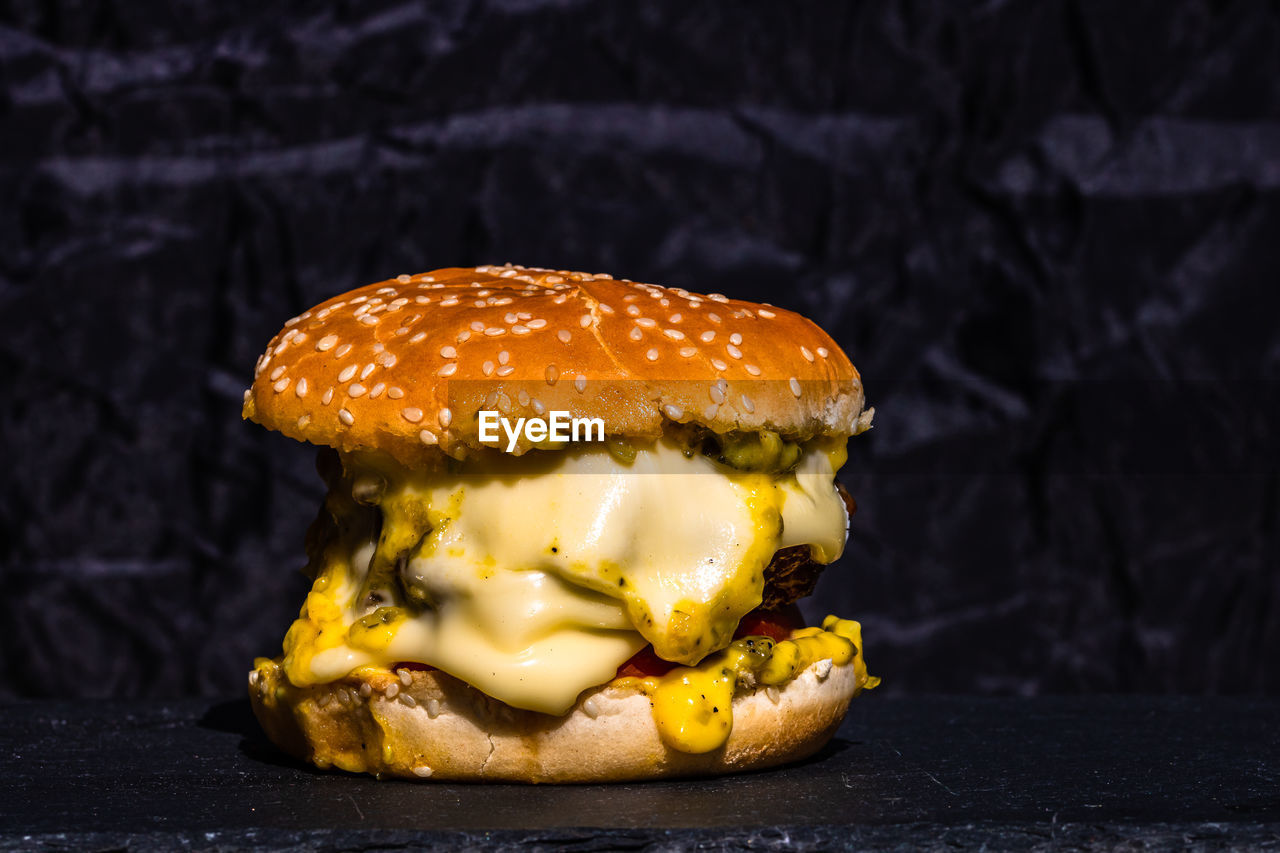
405 365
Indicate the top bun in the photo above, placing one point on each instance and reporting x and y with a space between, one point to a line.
405 365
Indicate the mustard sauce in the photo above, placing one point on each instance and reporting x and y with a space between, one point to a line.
693 706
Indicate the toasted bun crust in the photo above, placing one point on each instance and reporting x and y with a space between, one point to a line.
436 726
404 366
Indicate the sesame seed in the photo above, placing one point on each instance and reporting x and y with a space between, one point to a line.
747 404
752 369
377 390
735 339
652 355
717 394
368 368
303 420
713 317
509 318
718 364
674 334
422 300
537 323
523 397
448 370
357 390
393 690
506 370
538 407
646 322
448 352
477 326
635 334
673 412
804 351
386 359
301 388
710 411
707 337
366 690
369 319
426 436
495 331
277 373
342 350
580 382
633 311
347 373
822 352
675 318
487 368
418 338
395 393
446 417
422 771
247 394
564 335
733 351
402 278
281 385
688 352
766 313
519 329
463 336
346 417
553 373
327 397
584 320
504 357
795 386
718 297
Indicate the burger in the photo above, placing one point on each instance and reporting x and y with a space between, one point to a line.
568 518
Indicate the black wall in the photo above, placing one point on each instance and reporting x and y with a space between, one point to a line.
1047 232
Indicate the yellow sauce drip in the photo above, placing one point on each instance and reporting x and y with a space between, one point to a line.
693 706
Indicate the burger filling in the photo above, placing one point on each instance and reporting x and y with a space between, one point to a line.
535 578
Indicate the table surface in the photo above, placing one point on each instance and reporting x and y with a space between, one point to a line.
909 772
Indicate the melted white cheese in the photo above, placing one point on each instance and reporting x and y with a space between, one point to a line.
546 574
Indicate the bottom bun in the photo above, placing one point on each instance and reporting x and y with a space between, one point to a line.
424 723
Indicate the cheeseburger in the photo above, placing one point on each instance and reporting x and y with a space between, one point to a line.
568 518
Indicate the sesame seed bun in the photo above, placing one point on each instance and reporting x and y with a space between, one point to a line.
425 723
405 365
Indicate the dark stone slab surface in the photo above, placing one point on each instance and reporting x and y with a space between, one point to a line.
903 773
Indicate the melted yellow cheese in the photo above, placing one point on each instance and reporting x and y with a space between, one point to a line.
693 706
534 578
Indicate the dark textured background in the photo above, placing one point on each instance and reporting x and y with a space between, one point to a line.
1048 233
